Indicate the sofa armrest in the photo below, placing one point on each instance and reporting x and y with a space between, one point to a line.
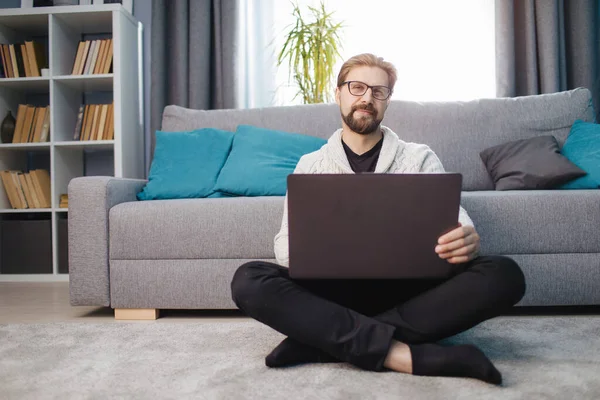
90 200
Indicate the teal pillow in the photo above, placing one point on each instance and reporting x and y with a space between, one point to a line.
582 148
261 159
186 164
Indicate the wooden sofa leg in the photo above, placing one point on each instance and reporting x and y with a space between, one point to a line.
136 313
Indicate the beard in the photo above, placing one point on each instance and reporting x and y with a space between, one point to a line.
365 124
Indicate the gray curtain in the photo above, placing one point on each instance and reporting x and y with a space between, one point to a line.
545 46
193 56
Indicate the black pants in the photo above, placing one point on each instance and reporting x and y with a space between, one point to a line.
356 320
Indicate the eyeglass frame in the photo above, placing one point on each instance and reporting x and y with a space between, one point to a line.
347 83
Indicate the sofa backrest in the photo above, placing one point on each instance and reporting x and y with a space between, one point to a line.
456 131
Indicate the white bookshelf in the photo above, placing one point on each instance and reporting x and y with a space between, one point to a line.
60 29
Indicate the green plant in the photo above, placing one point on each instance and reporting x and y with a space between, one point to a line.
311 49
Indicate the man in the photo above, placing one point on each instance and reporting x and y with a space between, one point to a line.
379 324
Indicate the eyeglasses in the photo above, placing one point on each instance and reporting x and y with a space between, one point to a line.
357 88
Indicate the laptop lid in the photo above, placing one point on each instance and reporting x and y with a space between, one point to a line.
347 226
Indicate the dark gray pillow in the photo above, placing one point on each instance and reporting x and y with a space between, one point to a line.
529 164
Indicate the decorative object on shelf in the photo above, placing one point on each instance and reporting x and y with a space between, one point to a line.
45 72
311 50
7 129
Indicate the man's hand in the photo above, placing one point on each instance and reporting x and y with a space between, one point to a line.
459 245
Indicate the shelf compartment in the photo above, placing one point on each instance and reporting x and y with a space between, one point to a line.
62 242
68 29
26 243
69 93
14 27
18 160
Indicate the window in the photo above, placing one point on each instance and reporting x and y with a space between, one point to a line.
443 50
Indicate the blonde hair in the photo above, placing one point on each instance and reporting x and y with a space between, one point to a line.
369 60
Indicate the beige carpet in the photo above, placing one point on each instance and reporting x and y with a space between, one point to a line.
540 357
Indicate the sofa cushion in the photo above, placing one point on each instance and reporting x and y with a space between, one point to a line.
534 163
535 221
456 131
186 164
582 147
261 159
237 227
514 222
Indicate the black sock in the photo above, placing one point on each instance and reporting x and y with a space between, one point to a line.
460 361
291 352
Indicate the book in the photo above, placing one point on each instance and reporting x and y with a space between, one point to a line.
111 131
45 132
22 200
95 121
20 63
109 121
3 57
19 121
102 123
90 57
43 180
25 60
95 56
109 58
78 123
33 53
42 118
13 57
64 201
11 192
89 121
32 191
78 57
84 58
25 188
27 123
101 54
8 60
36 114
38 190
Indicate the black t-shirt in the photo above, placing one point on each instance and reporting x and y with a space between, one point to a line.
365 162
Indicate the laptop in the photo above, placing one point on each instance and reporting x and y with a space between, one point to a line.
370 226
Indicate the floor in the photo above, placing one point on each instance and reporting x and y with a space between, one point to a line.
36 302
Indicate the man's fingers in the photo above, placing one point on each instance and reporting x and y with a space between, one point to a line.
459 260
457 244
458 233
464 250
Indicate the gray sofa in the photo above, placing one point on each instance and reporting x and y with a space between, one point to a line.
181 254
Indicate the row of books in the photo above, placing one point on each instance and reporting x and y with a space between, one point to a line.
64 201
93 57
22 60
32 124
27 189
95 122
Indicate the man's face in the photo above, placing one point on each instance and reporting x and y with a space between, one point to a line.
363 114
